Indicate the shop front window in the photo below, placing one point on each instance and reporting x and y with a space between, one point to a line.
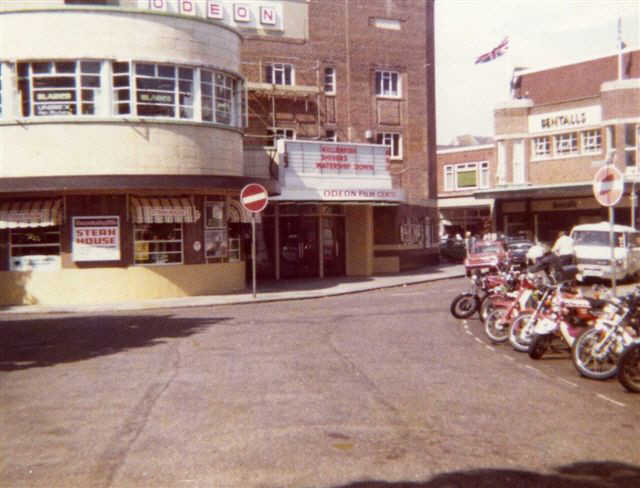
158 244
34 248
215 233
217 97
164 91
59 88
71 88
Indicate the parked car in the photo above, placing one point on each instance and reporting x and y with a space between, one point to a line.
452 250
485 256
517 252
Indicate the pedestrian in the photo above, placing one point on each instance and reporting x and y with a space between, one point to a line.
563 249
469 242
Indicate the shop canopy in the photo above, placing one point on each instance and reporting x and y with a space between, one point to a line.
30 213
151 210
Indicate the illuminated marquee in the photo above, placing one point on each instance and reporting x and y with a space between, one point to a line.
242 14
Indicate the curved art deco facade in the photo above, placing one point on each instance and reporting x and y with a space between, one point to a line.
122 154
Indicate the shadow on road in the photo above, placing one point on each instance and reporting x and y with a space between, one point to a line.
37 343
594 474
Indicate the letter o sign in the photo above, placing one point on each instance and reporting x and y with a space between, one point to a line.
241 13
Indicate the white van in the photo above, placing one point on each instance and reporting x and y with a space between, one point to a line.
593 251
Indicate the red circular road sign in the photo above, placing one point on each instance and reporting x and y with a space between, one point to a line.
608 185
254 197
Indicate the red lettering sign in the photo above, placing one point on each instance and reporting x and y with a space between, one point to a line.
214 10
241 13
267 15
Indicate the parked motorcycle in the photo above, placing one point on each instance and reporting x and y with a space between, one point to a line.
629 367
596 352
466 304
569 316
521 328
509 306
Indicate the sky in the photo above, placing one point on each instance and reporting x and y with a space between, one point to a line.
542 33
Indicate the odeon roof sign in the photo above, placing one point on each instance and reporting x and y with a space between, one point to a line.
245 14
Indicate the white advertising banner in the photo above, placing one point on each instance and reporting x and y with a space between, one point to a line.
331 171
96 238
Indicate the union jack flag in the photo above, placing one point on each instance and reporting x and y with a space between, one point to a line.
497 51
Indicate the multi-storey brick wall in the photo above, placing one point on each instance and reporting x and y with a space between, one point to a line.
576 81
453 156
343 35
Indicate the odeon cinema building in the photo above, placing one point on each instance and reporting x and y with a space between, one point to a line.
128 129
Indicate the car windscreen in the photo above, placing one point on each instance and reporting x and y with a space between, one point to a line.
485 248
596 238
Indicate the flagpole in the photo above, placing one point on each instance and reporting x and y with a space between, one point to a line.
619 48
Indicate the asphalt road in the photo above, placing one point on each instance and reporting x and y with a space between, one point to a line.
375 389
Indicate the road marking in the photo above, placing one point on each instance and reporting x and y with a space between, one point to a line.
468 332
491 348
570 383
479 341
606 398
506 356
528 366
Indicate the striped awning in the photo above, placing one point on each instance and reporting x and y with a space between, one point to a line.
150 210
30 213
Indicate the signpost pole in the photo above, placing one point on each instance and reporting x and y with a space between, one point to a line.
254 199
253 252
611 247
608 188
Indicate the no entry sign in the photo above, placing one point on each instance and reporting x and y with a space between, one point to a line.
608 185
254 197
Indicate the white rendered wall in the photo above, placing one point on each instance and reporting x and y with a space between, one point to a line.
35 146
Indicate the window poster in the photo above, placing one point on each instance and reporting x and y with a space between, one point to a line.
215 243
96 238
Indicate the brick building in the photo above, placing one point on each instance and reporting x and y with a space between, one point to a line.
356 72
123 156
464 167
562 124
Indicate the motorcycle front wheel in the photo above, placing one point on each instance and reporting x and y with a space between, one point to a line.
629 368
520 332
496 326
539 345
588 365
464 305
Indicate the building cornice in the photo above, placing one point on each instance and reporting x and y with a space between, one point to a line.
628 84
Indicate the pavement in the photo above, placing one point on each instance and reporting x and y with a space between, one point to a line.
269 291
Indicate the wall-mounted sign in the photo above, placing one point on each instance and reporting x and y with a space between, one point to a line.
249 14
55 109
334 171
96 238
154 97
362 194
330 158
54 96
565 119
